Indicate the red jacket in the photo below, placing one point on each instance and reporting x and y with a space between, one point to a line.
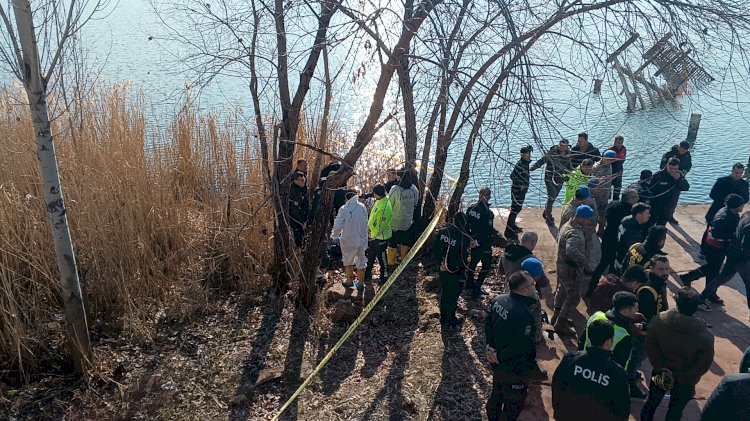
620 154
601 298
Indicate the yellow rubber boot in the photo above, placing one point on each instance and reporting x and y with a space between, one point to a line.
349 272
404 251
391 255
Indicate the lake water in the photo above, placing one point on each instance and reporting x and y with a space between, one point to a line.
122 48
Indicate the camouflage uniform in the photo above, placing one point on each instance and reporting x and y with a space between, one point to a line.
571 264
601 193
569 212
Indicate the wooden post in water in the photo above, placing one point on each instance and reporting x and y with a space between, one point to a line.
630 96
597 86
635 85
695 122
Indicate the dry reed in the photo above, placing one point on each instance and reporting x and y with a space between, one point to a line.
154 222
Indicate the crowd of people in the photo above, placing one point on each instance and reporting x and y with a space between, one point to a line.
626 292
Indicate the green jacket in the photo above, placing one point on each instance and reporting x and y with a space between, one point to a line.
575 180
380 219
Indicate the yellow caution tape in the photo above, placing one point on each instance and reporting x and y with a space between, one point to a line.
417 246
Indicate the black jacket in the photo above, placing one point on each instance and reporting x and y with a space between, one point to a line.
640 256
724 225
578 154
621 351
730 400
510 329
452 244
339 200
643 187
662 187
558 165
616 211
298 204
481 219
741 242
686 161
628 233
722 230
722 188
650 304
589 385
520 176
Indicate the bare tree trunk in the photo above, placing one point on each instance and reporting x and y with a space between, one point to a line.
407 94
440 107
290 115
463 178
308 288
36 91
410 117
323 139
262 135
444 140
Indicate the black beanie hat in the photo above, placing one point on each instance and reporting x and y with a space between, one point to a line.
379 189
734 201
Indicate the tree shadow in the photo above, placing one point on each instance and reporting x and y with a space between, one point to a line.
342 363
692 411
292 373
455 398
688 244
723 325
398 336
255 362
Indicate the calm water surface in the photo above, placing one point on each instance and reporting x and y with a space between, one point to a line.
123 50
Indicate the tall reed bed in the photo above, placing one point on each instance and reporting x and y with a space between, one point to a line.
157 220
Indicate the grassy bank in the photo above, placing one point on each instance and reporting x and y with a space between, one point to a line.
155 228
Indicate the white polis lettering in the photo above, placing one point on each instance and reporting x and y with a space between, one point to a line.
500 310
444 238
475 214
591 375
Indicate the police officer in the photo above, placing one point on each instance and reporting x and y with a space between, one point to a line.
681 155
519 187
558 166
451 251
588 384
480 219
298 207
572 265
665 188
509 331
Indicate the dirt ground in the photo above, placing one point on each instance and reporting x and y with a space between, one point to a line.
244 358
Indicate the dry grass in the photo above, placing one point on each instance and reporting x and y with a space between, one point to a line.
152 225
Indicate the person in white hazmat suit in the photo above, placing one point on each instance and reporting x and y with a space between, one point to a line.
350 227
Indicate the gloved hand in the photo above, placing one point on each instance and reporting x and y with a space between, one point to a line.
664 379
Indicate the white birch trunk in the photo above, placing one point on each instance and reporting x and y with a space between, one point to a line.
36 91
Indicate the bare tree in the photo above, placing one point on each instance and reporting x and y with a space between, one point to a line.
61 21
